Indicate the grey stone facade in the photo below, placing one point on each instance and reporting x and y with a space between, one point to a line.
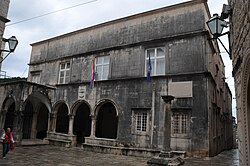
123 109
4 7
240 41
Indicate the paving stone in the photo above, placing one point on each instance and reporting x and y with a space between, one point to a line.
59 156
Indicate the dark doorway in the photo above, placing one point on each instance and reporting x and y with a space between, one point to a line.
42 122
106 125
10 116
62 119
27 120
82 123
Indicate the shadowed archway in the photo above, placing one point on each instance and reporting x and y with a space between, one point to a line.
42 122
107 121
35 116
10 116
27 120
62 119
82 122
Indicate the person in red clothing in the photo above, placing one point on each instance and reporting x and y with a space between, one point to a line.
7 138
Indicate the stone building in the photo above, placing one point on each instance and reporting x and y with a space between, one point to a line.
122 111
240 41
4 7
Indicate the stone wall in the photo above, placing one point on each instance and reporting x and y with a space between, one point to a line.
4 7
240 41
148 26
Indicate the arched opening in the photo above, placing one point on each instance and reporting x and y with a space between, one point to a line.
107 122
10 116
27 120
42 122
62 119
82 123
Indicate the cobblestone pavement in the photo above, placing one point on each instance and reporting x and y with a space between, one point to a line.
59 156
226 158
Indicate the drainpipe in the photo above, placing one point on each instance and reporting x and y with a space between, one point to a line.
153 113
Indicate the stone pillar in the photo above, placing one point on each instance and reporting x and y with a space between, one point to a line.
167 123
93 126
48 128
2 118
15 122
53 125
33 128
71 120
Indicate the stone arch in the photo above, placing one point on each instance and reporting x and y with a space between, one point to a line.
246 105
36 113
82 120
61 111
103 101
106 119
9 116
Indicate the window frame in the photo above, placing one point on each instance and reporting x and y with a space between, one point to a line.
36 76
180 123
154 59
64 71
144 122
100 76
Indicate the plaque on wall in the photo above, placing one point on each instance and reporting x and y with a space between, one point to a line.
81 92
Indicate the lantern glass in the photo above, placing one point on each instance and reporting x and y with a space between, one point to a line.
216 25
12 43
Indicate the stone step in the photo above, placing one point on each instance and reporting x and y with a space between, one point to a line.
128 151
34 142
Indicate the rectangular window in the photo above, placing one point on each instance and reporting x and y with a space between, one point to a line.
179 123
35 77
102 68
64 73
141 121
157 58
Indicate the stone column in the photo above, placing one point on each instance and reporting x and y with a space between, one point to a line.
167 130
33 128
167 123
71 120
48 128
93 126
15 122
53 125
2 119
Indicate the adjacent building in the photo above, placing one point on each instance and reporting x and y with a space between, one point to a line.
240 41
92 86
4 7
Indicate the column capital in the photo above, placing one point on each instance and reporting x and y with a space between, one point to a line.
93 117
71 116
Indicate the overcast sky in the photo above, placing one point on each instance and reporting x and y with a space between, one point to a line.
85 14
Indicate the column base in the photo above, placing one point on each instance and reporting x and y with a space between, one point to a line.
165 158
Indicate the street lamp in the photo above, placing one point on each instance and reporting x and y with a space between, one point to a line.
12 41
216 25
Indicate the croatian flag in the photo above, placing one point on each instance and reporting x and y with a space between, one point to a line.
149 68
93 75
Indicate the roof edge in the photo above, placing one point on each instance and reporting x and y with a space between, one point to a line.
171 7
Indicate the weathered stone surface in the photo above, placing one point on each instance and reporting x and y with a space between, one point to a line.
240 50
